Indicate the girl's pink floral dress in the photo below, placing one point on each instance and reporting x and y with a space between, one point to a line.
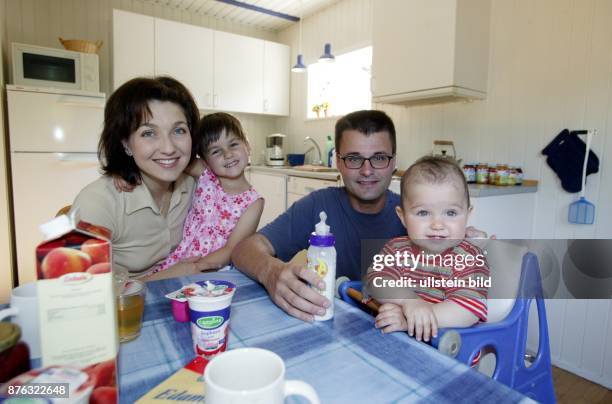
211 219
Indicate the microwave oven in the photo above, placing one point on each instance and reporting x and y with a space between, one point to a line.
38 66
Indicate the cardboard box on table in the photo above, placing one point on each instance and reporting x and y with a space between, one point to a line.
78 326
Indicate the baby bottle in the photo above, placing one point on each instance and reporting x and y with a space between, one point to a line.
322 260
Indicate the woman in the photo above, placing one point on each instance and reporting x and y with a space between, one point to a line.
148 139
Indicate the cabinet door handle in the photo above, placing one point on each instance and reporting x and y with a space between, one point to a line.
76 101
83 160
208 99
265 105
215 100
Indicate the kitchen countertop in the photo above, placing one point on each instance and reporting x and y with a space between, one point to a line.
476 190
483 190
287 170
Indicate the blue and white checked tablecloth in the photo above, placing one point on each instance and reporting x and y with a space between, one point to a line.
346 359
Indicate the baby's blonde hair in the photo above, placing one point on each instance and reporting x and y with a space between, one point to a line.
434 170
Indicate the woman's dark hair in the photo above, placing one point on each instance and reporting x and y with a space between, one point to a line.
127 108
213 126
367 121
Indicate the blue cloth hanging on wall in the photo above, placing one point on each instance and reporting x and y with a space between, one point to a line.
565 155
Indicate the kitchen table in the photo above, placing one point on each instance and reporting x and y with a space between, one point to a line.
345 359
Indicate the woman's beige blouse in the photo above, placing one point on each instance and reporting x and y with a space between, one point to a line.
141 236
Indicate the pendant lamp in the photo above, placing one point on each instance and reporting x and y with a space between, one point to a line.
327 56
299 66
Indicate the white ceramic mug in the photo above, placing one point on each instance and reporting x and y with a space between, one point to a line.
24 309
251 375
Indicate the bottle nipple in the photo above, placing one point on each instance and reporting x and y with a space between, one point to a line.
322 228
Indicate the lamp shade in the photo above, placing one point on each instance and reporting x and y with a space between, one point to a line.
327 55
299 67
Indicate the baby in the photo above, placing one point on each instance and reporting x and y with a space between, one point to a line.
435 205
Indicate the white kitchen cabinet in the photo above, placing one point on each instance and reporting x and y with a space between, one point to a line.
133 46
298 187
276 78
223 71
273 188
429 51
238 64
505 216
185 52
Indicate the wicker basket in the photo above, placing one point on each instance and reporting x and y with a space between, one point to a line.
80 45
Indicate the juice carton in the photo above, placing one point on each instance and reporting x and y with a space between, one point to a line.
76 303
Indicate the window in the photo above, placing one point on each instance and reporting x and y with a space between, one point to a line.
341 87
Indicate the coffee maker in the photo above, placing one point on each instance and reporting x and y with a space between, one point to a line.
275 156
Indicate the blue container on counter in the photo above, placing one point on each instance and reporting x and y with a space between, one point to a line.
295 159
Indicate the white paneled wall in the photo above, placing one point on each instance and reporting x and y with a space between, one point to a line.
550 68
41 22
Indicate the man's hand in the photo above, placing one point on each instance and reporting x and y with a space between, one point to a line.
422 322
288 286
391 318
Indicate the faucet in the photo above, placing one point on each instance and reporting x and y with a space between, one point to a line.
320 161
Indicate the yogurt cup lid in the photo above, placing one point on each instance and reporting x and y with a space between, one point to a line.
212 289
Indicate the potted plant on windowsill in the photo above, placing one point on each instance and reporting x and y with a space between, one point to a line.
325 106
316 109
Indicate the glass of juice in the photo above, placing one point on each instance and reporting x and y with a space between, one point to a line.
130 308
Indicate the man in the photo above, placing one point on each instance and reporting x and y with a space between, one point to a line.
362 209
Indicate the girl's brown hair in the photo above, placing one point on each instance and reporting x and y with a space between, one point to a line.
213 126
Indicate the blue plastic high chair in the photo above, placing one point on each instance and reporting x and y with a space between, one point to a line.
507 336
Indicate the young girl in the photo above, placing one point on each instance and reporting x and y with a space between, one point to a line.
225 207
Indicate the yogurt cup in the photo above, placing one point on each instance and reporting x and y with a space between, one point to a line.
180 307
209 313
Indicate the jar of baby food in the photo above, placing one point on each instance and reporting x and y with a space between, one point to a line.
511 176
519 176
501 177
469 171
492 175
14 354
482 173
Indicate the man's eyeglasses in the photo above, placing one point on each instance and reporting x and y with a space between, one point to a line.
376 161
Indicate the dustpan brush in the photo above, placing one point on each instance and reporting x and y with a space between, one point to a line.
583 211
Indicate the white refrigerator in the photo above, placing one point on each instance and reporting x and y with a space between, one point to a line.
53 146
